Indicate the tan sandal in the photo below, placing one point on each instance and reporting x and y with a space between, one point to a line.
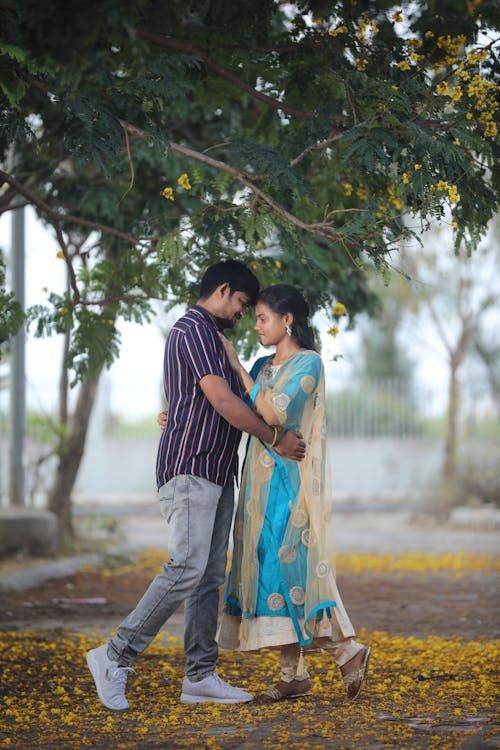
285 690
353 681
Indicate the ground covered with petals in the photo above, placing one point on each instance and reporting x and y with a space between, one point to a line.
429 687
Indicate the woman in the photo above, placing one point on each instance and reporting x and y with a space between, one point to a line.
281 590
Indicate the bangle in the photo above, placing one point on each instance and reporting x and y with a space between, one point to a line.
275 438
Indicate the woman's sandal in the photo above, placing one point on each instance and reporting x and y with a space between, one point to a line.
353 681
285 690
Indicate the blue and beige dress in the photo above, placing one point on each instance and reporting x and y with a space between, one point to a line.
282 588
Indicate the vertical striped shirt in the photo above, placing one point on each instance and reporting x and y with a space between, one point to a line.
196 439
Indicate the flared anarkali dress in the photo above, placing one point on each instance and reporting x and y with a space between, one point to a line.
282 588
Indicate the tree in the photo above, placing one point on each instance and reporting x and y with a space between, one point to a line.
380 397
487 350
456 296
11 314
304 128
383 355
164 136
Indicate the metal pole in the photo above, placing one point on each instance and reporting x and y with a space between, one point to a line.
17 367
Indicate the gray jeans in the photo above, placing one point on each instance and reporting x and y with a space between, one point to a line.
199 515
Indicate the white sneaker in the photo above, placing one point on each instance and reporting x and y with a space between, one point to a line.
109 678
212 689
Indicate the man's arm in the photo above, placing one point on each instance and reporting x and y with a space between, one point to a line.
290 444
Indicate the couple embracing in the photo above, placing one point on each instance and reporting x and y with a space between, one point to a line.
281 591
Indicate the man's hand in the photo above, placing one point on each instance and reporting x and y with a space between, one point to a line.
162 419
291 444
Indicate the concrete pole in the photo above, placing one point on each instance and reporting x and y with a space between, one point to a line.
17 367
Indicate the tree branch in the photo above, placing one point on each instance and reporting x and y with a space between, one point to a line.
131 165
57 217
322 229
71 273
222 72
440 329
323 144
114 300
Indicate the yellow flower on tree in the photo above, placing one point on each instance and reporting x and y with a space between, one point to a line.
339 30
491 129
442 88
396 202
183 181
333 331
347 187
168 194
60 254
403 65
339 309
397 16
452 45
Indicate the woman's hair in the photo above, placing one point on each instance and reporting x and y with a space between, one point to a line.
283 298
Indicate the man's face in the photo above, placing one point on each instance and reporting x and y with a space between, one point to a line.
232 308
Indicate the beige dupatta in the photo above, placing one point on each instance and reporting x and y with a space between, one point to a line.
294 399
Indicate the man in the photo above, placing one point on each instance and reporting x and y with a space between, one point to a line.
196 467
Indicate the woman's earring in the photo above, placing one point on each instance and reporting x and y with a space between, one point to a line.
288 330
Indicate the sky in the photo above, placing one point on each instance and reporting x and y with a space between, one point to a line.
133 383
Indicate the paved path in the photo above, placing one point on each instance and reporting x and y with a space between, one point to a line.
358 532
142 527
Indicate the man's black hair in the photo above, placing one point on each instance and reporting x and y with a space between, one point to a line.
232 272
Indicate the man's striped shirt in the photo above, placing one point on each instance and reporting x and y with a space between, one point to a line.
196 439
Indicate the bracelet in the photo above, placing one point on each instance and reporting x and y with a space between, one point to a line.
275 438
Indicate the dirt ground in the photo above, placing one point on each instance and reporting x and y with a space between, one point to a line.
434 635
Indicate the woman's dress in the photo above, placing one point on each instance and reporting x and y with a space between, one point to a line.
282 588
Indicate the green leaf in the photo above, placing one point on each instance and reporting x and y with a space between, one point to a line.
14 52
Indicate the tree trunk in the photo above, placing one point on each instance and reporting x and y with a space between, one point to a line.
64 381
64 378
70 456
450 446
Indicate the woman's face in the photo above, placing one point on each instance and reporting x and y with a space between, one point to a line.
270 326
